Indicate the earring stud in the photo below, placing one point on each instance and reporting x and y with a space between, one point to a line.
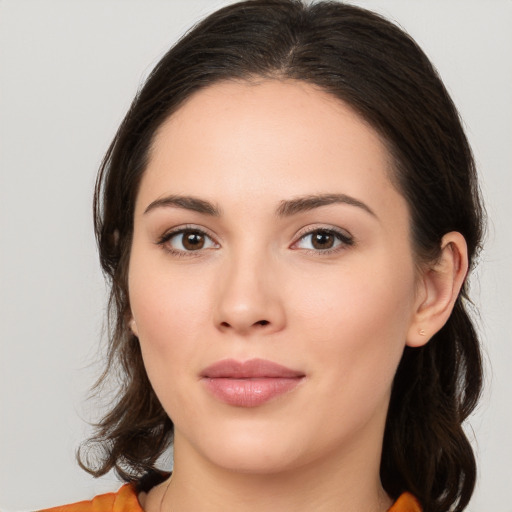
422 332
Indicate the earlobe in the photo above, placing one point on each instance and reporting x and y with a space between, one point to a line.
440 285
133 327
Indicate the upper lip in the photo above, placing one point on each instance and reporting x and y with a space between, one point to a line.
252 368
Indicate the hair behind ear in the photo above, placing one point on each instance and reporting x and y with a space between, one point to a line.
436 387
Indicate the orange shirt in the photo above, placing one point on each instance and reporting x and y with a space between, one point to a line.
125 500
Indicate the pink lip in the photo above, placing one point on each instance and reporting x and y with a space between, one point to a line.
249 383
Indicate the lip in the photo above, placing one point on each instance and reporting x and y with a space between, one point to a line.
249 383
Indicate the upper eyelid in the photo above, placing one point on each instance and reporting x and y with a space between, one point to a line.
322 227
188 227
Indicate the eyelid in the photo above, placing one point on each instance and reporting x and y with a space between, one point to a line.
343 236
176 230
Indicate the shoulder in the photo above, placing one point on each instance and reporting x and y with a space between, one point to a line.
124 500
406 503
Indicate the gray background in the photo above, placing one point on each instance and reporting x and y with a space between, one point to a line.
68 71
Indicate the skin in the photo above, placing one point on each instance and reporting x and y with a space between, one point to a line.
259 288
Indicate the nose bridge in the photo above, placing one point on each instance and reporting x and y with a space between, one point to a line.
249 297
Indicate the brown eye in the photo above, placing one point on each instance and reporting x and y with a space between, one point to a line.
192 240
187 240
322 240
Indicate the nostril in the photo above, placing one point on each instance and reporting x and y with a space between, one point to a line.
259 322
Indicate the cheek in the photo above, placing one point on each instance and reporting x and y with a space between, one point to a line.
357 320
171 312
166 309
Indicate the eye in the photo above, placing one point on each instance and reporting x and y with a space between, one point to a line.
187 240
323 240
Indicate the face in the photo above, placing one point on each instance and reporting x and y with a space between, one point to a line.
271 280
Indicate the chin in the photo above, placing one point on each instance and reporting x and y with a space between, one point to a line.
247 451
254 462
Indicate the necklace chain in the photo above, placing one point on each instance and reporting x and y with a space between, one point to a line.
164 495
381 498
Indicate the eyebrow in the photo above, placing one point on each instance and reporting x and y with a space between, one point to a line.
305 203
286 208
187 203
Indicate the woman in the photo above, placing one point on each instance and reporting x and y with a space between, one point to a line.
287 215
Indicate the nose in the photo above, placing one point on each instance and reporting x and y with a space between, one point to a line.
250 299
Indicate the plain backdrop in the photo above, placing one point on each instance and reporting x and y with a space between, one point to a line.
68 71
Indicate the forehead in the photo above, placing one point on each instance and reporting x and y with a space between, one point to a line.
295 110
267 139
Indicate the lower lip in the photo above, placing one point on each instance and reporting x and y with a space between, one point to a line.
249 392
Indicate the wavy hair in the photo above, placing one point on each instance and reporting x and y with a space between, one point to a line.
373 66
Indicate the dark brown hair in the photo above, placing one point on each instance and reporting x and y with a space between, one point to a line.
373 66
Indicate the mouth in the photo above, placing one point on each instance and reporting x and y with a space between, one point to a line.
249 383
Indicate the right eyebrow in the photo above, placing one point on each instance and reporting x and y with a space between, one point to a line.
187 203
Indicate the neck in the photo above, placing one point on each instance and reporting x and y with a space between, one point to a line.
323 486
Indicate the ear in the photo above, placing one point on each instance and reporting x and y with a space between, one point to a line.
438 289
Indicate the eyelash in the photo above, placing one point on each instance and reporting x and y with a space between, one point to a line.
343 237
345 240
166 237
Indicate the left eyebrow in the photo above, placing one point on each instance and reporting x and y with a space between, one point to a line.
310 202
